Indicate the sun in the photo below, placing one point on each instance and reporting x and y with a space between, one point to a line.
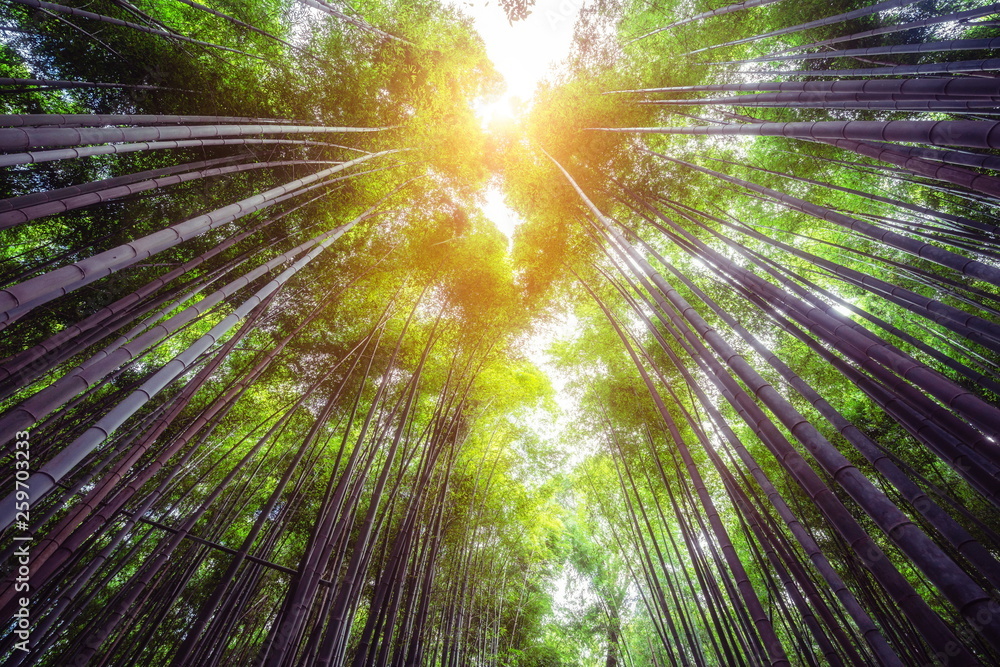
492 110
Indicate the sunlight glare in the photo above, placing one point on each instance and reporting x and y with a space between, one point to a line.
843 310
503 110
525 52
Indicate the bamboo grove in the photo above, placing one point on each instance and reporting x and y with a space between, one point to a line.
267 356
261 411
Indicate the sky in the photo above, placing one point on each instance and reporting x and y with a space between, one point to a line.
523 53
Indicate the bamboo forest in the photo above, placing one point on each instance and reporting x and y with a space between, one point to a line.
664 334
